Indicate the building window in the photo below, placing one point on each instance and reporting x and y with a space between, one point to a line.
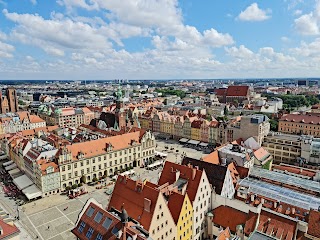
89 233
110 164
63 168
75 165
81 226
69 175
69 167
93 160
98 217
90 212
99 237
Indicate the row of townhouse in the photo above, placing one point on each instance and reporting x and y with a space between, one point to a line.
52 167
19 121
194 127
197 128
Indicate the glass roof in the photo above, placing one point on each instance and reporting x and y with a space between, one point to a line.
282 194
286 179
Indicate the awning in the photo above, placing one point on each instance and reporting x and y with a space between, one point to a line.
160 154
10 167
22 182
195 142
184 140
14 172
157 163
202 144
7 163
32 192
127 173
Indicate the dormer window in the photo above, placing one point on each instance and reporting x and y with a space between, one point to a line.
80 155
109 147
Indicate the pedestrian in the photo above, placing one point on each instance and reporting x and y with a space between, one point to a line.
48 227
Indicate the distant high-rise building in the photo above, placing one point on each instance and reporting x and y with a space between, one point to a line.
9 102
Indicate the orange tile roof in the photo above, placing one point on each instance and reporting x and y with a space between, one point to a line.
35 119
193 175
98 147
23 115
224 235
212 158
261 153
44 164
129 195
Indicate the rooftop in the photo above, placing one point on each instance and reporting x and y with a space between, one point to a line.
282 194
286 179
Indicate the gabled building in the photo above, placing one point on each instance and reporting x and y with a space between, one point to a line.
233 93
196 184
96 223
146 204
219 177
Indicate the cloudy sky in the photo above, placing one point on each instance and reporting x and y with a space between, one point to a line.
159 39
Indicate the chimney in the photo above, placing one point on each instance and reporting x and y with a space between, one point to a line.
194 171
177 175
252 198
147 204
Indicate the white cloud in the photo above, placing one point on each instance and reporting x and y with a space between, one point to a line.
29 58
310 50
285 39
309 24
297 12
34 2
241 52
254 14
6 50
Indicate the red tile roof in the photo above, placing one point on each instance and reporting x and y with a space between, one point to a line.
220 91
175 204
237 91
282 227
301 118
314 224
8 230
297 170
250 223
130 195
191 174
226 216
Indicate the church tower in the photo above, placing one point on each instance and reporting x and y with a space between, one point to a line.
119 113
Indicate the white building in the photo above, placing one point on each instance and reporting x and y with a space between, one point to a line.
196 184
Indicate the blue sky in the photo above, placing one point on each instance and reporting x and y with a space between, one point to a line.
159 39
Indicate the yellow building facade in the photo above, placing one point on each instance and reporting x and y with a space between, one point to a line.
184 224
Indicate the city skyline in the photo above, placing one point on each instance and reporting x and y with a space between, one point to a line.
152 39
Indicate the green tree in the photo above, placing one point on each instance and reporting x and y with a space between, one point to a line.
95 179
274 125
74 186
225 111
